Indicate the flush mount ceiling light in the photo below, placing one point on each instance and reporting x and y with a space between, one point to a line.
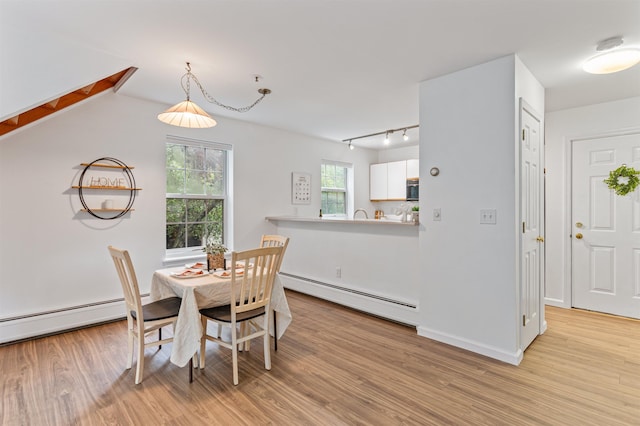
188 114
612 59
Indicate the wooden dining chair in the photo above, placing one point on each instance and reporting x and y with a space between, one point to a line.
250 299
275 241
142 320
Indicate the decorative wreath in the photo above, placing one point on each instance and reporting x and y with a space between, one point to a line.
623 180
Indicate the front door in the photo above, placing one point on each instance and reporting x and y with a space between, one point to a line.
605 228
532 206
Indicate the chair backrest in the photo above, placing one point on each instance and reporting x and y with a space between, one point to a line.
275 241
251 288
129 282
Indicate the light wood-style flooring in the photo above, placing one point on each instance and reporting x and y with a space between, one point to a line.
334 366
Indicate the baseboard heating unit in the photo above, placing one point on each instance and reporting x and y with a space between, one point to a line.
383 306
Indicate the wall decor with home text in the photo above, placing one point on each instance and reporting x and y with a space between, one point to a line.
112 177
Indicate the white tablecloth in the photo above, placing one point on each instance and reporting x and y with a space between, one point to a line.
204 292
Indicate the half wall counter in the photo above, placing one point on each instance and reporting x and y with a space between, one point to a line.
367 264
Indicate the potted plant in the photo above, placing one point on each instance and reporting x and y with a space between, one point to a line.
415 211
215 254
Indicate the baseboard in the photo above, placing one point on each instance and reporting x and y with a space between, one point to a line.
396 310
41 324
509 357
556 302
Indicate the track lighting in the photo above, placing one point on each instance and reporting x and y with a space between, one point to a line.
351 147
386 134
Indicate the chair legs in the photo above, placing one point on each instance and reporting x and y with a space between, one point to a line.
140 366
267 346
234 352
238 342
275 331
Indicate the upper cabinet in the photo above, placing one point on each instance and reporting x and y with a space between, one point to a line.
397 180
388 181
378 181
413 169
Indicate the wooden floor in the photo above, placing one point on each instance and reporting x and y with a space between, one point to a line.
334 366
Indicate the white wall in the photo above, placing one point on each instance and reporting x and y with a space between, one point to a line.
52 257
561 128
469 276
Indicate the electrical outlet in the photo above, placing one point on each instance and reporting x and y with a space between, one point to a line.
488 216
338 272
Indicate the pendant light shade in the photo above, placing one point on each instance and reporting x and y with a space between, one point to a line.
187 114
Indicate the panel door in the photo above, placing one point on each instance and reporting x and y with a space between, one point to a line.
605 228
531 196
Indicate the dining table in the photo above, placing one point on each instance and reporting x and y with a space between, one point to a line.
204 291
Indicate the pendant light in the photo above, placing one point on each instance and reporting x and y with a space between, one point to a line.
188 114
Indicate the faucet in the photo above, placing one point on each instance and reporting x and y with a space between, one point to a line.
366 216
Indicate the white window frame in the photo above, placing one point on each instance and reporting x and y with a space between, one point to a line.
349 197
195 252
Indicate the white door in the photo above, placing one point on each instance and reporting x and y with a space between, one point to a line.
605 228
532 207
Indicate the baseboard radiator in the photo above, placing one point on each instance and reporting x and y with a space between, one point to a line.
350 290
44 323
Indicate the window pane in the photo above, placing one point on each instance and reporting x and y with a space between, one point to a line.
341 177
175 181
195 157
215 183
195 234
175 156
195 210
175 236
176 210
215 160
195 182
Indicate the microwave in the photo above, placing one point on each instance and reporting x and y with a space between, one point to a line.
413 189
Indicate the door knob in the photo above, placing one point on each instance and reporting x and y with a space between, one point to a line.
579 236
579 225
540 239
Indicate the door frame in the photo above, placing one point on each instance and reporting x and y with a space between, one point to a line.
542 322
568 210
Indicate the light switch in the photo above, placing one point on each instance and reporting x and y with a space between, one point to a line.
488 216
436 214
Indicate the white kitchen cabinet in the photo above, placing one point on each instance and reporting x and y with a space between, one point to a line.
413 169
378 181
388 181
397 180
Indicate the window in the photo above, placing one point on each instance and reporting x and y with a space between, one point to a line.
336 188
197 194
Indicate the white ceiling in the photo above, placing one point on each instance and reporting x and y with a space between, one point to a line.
337 68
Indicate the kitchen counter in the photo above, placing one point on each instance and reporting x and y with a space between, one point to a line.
340 220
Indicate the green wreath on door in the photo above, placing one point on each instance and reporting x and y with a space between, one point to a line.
623 180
